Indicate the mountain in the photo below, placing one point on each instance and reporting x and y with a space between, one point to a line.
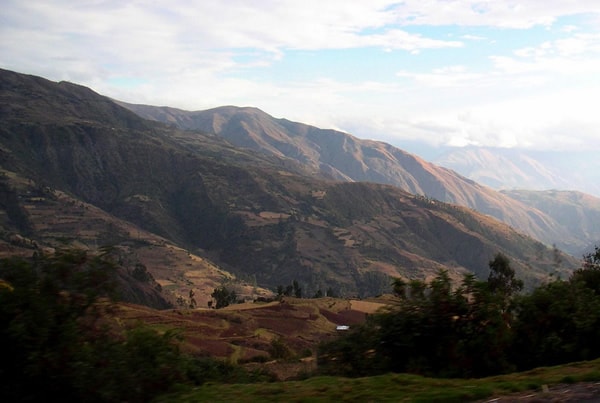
187 210
576 211
525 169
502 168
341 156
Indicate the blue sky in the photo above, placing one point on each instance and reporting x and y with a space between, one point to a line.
447 72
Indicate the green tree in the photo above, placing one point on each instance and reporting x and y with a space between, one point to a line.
280 350
59 339
223 297
399 288
560 321
501 279
353 354
297 289
435 329
589 274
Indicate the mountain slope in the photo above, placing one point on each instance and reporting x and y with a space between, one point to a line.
341 156
578 212
525 169
259 217
502 168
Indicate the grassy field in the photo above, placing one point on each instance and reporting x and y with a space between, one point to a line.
392 387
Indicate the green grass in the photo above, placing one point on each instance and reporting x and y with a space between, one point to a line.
390 387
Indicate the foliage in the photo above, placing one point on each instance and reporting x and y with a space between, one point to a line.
353 354
60 340
293 289
204 369
477 328
223 297
589 274
280 350
436 330
57 334
558 322
502 279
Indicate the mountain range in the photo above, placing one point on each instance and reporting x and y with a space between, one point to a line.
506 168
246 200
341 156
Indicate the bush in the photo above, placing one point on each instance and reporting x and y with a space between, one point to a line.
280 350
57 332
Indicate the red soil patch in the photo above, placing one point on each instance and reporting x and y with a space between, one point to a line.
203 346
348 317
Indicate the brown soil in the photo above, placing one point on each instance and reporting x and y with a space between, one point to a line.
246 334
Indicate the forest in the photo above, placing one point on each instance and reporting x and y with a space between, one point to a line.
477 328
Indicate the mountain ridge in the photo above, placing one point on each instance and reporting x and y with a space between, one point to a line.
506 169
262 218
341 156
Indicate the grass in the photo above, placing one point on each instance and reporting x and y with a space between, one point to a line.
391 387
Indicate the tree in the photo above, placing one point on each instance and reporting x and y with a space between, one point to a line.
435 329
560 321
223 297
589 273
399 288
59 340
501 279
297 289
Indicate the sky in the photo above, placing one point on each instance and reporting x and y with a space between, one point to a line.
497 73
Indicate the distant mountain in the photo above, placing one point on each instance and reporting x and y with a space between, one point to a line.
523 169
190 208
576 211
341 156
502 168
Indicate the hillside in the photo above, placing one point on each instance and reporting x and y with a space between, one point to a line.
341 156
198 212
526 169
246 333
502 169
576 211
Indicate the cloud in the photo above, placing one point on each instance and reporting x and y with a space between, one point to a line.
447 76
503 14
92 40
202 54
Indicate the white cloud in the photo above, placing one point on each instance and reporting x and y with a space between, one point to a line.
505 14
193 55
448 76
473 37
167 37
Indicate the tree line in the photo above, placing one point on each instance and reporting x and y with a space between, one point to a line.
60 338
476 328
